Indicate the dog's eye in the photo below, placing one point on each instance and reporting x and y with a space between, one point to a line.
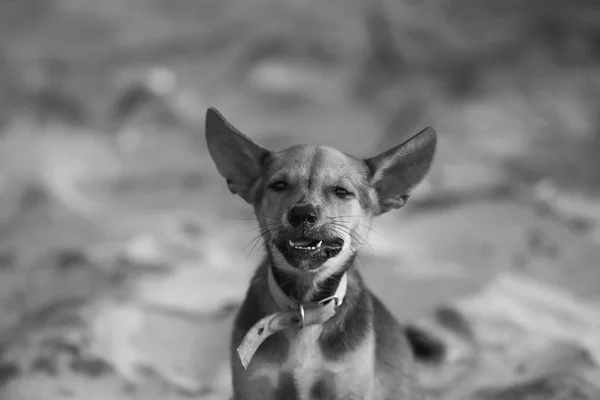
342 193
278 186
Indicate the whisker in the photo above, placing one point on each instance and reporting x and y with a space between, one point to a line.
263 244
361 261
370 228
253 218
371 246
267 216
347 216
344 229
373 230
351 234
260 235
253 239
354 235
252 242
267 225
256 241
252 249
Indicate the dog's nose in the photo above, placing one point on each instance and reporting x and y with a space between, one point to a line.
302 213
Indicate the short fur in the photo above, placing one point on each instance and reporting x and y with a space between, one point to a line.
362 351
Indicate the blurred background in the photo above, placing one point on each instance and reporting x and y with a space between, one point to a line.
123 255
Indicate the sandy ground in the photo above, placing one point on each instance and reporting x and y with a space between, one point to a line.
191 250
117 254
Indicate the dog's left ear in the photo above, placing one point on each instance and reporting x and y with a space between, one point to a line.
237 157
397 171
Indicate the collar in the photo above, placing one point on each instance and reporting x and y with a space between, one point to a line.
284 302
293 314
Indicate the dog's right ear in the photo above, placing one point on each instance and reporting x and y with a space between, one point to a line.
397 171
237 157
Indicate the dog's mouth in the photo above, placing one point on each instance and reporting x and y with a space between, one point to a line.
310 244
309 252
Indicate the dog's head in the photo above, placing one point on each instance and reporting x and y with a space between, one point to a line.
314 204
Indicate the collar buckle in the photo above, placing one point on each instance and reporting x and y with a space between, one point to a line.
298 320
301 316
334 298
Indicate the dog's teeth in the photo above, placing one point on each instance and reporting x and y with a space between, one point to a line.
295 246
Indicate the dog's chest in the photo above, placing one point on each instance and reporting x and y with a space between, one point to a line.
304 350
306 374
303 367
305 363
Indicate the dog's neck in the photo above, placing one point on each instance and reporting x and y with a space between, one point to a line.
303 287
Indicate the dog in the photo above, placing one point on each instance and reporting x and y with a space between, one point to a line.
309 328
